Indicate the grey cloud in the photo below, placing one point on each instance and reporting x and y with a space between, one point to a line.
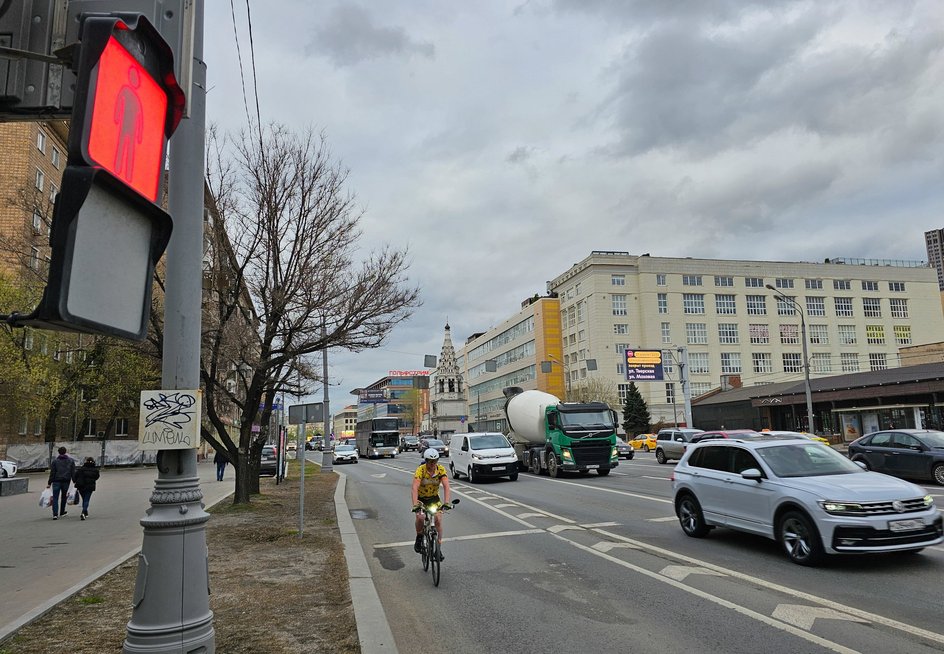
349 36
521 154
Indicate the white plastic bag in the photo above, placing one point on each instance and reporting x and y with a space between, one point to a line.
45 499
72 495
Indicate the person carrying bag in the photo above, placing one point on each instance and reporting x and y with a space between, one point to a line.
60 476
85 478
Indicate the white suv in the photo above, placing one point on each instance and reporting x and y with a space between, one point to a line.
810 498
671 443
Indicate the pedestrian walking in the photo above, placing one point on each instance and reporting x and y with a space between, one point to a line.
60 476
85 478
220 460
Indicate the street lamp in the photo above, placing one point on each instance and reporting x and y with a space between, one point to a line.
806 358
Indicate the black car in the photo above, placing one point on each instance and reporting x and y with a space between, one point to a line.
408 443
269 462
435 444
908 453
624 449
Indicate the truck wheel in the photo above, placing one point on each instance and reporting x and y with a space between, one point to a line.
660 456
535 464
603 472
472 479
553 470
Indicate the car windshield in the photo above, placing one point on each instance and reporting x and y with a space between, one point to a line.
806 460
344 448
586 419
488 442
432 442
932 438
268 451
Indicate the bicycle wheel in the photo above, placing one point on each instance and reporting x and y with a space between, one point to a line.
434 558
425 552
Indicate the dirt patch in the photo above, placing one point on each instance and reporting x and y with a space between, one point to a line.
271 590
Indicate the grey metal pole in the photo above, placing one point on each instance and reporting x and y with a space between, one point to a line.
686 386
171 607
327 465
806 358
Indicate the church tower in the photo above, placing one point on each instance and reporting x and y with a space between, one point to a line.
448 408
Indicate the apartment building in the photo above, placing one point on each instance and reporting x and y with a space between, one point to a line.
736 330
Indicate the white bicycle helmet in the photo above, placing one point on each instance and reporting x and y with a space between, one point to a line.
431 454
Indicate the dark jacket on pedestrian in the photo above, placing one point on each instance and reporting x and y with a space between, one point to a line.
61 469
86 476
220 458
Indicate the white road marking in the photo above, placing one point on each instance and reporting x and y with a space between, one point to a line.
494 534
601 524
556 529
679 572
380 476
533 515
660 478
606 546
505 505
804 616
670 518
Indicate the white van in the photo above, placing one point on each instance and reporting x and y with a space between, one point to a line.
482 454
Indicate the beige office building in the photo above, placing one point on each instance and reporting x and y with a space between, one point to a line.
857 314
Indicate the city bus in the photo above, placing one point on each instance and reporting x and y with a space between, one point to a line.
378 437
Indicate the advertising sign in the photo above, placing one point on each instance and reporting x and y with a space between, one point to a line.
375 396
644 365
170 420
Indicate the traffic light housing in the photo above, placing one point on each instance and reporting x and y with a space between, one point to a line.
109 230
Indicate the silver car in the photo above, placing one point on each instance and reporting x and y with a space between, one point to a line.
809 498
7 469
671 443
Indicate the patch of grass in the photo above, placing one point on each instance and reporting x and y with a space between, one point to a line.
91 599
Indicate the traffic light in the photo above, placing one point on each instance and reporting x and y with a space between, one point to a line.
109 229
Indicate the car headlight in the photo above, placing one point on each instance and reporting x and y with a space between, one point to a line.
841 508
615 452
476 457
567 455
928 501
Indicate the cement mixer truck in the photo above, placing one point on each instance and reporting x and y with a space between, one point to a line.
554 436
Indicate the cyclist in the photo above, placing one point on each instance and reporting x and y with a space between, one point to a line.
426 481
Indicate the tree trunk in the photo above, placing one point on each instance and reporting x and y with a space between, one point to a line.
243 477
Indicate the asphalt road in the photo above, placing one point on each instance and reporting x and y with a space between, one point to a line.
600 564
41 558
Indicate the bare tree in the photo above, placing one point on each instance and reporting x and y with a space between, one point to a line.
595 389
284 284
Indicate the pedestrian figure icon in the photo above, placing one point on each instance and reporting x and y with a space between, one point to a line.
131 125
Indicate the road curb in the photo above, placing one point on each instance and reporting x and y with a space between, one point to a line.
373 630
10 629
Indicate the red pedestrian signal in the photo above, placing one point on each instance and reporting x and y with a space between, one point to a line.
129 110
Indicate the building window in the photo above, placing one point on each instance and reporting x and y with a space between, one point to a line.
34 258
696 333
693 303
760 334
899 307
762 362
725 305
869 286
814 284
757 305
660 279
121 426
724 281
577 288
666 332
875 334
698 363
619 305
843 307
663 300
88 427
700 388
41 141
582 335
730 363
668 362
621 369
38 222
40 180
815 306
670 393
896 287
581 316
849 361
53 192
820 363
55 157
789 334
819 334
903 334
878 361
691 280
728 332
24 426
783 282
785 307
871 307
620 349
69 355
621 328
618 280
754 282
792 362
847 335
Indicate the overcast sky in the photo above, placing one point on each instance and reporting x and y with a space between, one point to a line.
502 141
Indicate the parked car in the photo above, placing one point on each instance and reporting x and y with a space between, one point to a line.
729 433
908 453
344 453
408 443
436 444
644 442
809 498
796 434
269 462
671 443
480 455
291 446
7 469
623 449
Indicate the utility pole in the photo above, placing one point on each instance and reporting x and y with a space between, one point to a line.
686 387
327 462
171 608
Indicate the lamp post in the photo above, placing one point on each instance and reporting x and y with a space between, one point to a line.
806 358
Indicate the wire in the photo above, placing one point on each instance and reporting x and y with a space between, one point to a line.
239 59
255 85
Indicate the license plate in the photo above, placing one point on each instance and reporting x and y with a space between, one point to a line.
905 525
593 467
498 467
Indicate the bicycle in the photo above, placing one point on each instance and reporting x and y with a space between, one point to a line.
429 552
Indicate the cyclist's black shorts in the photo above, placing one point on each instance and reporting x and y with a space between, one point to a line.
430 500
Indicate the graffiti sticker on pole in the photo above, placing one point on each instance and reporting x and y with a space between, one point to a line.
170 420
643 365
